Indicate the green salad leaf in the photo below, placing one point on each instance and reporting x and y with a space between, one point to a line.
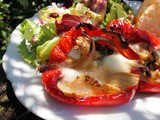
112 15
44 50
27 55
38 41
116 10
47 32
80 10
37 34
29 29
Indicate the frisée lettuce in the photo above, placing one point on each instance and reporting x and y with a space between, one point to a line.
35 38
28 55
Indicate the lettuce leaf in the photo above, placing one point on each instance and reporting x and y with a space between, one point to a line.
35 35
116 9
47 32
44 50
79 9
121 13
29 29
26 24
112 15
27 55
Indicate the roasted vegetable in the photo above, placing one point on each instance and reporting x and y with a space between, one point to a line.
147 46
89 69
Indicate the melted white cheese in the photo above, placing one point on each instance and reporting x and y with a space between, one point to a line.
112 73
115 63
70 74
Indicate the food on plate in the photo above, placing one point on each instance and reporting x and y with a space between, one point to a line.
97 75
35 37
89 53
51 13
147 46
150 20
54 20
145 4
117 10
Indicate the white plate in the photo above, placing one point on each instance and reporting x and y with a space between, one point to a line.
29 90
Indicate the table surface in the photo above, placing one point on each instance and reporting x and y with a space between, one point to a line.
10 107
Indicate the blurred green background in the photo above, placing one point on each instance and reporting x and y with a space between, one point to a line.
13 12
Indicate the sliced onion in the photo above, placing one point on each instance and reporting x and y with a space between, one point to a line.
85 48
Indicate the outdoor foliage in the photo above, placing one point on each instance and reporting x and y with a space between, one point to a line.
13 12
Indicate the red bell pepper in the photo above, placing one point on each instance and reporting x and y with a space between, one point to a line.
135 35
145 86
50 78
118 43
59 54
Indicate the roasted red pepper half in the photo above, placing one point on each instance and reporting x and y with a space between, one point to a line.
147 47
89 68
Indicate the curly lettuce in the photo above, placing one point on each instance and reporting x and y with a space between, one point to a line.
28 55
38 40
